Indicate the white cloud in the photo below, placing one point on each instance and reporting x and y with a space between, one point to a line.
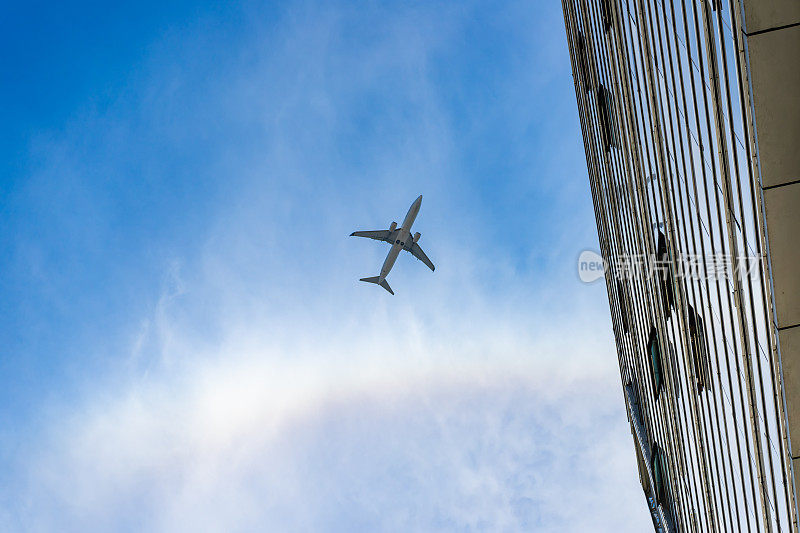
349 435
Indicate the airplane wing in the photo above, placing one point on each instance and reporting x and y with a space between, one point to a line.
419 254
378 235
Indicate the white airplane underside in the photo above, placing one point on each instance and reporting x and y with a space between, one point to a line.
400 239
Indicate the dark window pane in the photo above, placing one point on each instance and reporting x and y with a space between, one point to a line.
656 365
623 306
699 348
664 271
605 11
606 115
659 467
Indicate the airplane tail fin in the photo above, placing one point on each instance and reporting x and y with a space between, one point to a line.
376 280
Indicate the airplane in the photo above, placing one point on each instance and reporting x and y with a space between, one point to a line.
400 239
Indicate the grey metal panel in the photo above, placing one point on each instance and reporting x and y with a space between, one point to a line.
775 75
796 464
763 15
782 206
790 357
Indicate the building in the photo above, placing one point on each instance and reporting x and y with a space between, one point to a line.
690 114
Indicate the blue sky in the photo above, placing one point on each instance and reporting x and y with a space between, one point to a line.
184 340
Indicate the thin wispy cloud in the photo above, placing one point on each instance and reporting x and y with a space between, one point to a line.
346 431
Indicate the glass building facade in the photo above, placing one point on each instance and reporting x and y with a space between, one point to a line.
690 115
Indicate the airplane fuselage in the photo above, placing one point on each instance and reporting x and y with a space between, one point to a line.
402 238
399 238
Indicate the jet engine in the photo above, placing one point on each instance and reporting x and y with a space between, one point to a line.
417 235
392 226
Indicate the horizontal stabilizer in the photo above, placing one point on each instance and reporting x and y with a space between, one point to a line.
377 281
